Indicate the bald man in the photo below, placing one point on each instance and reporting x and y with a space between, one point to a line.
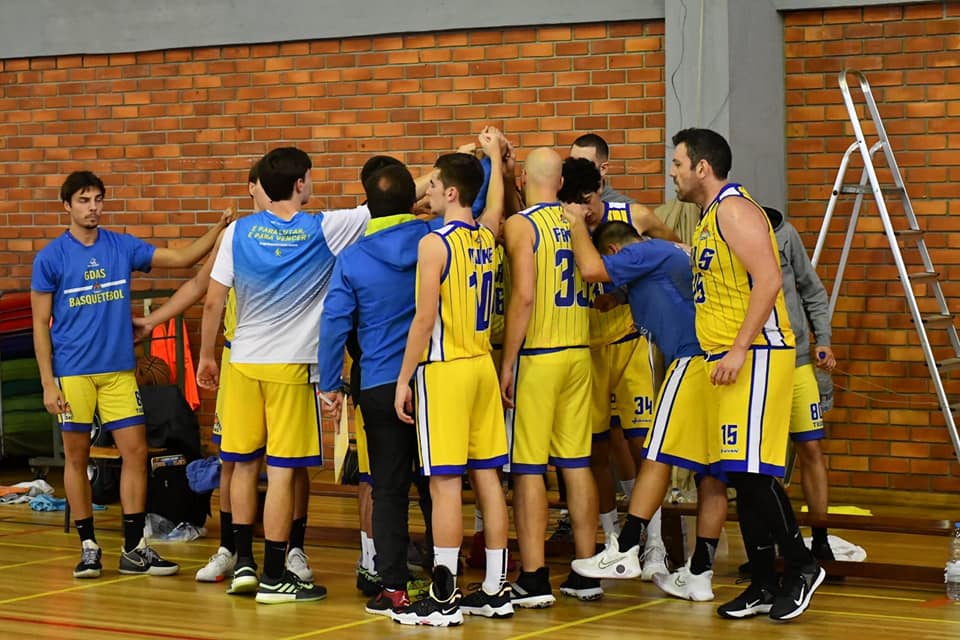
545 381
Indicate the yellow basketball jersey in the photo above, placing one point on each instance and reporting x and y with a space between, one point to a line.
561 303
499 297
462 327
721 285
230 316
610 326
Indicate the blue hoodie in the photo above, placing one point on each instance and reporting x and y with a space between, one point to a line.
376 279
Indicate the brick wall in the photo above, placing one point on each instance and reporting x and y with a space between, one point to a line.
887 430
173 133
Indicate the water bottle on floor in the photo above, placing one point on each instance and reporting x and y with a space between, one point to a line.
951 574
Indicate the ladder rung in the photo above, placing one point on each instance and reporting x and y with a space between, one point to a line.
908 233
921 276
948 365
865 188
938 320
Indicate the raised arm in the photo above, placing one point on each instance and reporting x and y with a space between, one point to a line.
431 260
189 293
519 240
647 223
191 254
492 215
585 254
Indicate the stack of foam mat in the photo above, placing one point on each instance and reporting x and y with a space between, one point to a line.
24 423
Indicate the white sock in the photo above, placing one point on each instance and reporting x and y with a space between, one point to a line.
477 521
654 535
608 521
626 486
368 552
496 570
448 557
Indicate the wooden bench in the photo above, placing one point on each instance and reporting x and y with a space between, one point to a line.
673 540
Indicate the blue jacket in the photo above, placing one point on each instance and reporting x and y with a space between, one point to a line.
376 280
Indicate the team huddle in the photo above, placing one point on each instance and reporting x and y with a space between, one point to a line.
509 331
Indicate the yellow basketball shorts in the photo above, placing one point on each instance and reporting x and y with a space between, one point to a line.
459 416
806 423
114 395
360 436
680 435
750 419
271 409
622 391
225 370
550 423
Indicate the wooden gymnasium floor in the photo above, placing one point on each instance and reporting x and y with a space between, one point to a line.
40 599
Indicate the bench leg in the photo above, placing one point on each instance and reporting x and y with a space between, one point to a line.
66 518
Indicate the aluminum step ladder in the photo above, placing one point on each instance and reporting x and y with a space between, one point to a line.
912 238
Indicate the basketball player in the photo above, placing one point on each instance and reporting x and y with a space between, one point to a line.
459 414
221 564
278 261
81 282
659 287
545 381
620 358
743 326
594 148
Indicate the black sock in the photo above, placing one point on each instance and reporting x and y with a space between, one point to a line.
702 559
226 532
633 533
133 529
298 531
243 540
85 529
819 535
274 558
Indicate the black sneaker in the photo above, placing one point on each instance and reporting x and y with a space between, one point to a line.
532 589
368 583
481 603
563 531
387 602
441 608
581 588
244 580
755 600
144 559
794 597
288 588
89 566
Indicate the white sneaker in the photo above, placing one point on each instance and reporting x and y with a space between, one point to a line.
610 563
686 585
299 564
219 566
654 561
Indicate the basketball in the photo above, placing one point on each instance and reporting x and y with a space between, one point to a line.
152 370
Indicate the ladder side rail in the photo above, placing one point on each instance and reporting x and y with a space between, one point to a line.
845 252
831 205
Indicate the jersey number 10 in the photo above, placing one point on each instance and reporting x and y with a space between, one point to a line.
484 296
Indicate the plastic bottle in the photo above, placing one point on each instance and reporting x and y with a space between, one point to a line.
825 386
951 574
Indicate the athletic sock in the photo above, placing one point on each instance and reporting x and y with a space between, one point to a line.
448 557
298 531
85 529
608 521
633 532
226 532
703 554
243 537
274 558
820 535
654 533
133 529
496 572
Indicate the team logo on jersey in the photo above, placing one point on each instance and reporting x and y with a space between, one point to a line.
704 235
93 263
